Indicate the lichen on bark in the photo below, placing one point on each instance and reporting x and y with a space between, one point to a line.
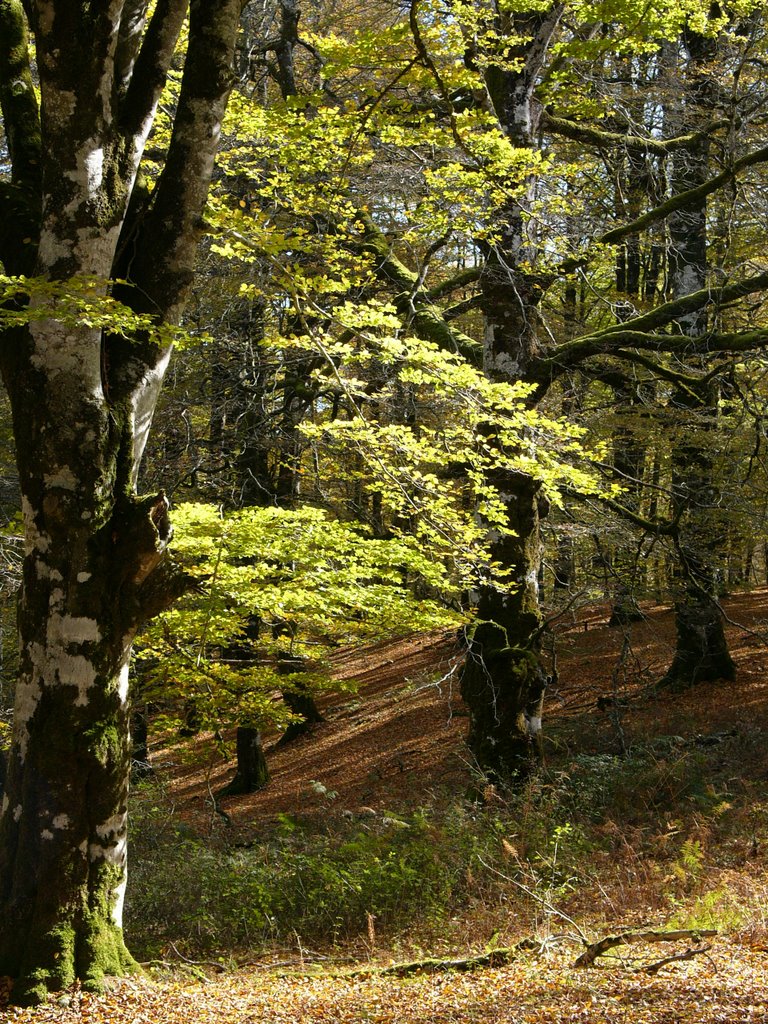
96 564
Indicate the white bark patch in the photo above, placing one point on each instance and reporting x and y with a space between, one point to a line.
70 629
60 104
687 279
83 577
114 826
119 899
112 849
28 693
122 683
52 665
17 812
93 162
34 540
63 478
61 821
6 804
75 670
45 572
61 350
51 249
144 404
504 365
46 834
534 725
58 668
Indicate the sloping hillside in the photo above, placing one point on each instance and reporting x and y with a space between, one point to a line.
396 739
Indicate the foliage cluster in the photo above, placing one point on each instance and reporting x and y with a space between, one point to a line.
281 588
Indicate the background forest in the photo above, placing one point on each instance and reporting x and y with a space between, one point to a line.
468 407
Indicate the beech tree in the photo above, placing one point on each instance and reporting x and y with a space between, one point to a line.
443 167
83 361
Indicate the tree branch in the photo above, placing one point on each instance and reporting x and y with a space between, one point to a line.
425 319
160 257
691 197
640 332
460 280
168 237
596 949
617 140
140 74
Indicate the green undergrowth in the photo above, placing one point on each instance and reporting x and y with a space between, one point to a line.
661 836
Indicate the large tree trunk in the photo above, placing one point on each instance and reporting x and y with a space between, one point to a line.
252 772
82 401
502 680
92 572
701 651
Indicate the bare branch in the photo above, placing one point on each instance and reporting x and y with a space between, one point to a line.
141 73
596 949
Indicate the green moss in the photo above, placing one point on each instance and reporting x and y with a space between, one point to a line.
90 950
55 955
102 953
19 100
106 743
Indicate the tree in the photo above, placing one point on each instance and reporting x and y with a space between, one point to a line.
424 142
83 362
285 588
532 88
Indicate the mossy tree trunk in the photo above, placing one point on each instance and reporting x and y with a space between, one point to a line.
95 565
701 651
503 681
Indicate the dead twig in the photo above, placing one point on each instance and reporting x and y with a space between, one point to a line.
688 954
196 963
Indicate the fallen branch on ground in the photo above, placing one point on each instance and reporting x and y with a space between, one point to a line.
596 949
688 954
493 958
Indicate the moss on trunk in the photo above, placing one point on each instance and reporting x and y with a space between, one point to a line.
502 681
701 651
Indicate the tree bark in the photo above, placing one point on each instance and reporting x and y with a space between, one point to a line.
252 772
503 681
701 651
95 564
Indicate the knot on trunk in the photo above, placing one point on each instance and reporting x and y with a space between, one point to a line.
141 532
151 579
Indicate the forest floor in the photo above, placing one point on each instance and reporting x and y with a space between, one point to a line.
398 736
393 743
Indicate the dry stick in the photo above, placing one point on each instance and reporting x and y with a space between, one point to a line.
689 954
540 899
196 963
596 949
